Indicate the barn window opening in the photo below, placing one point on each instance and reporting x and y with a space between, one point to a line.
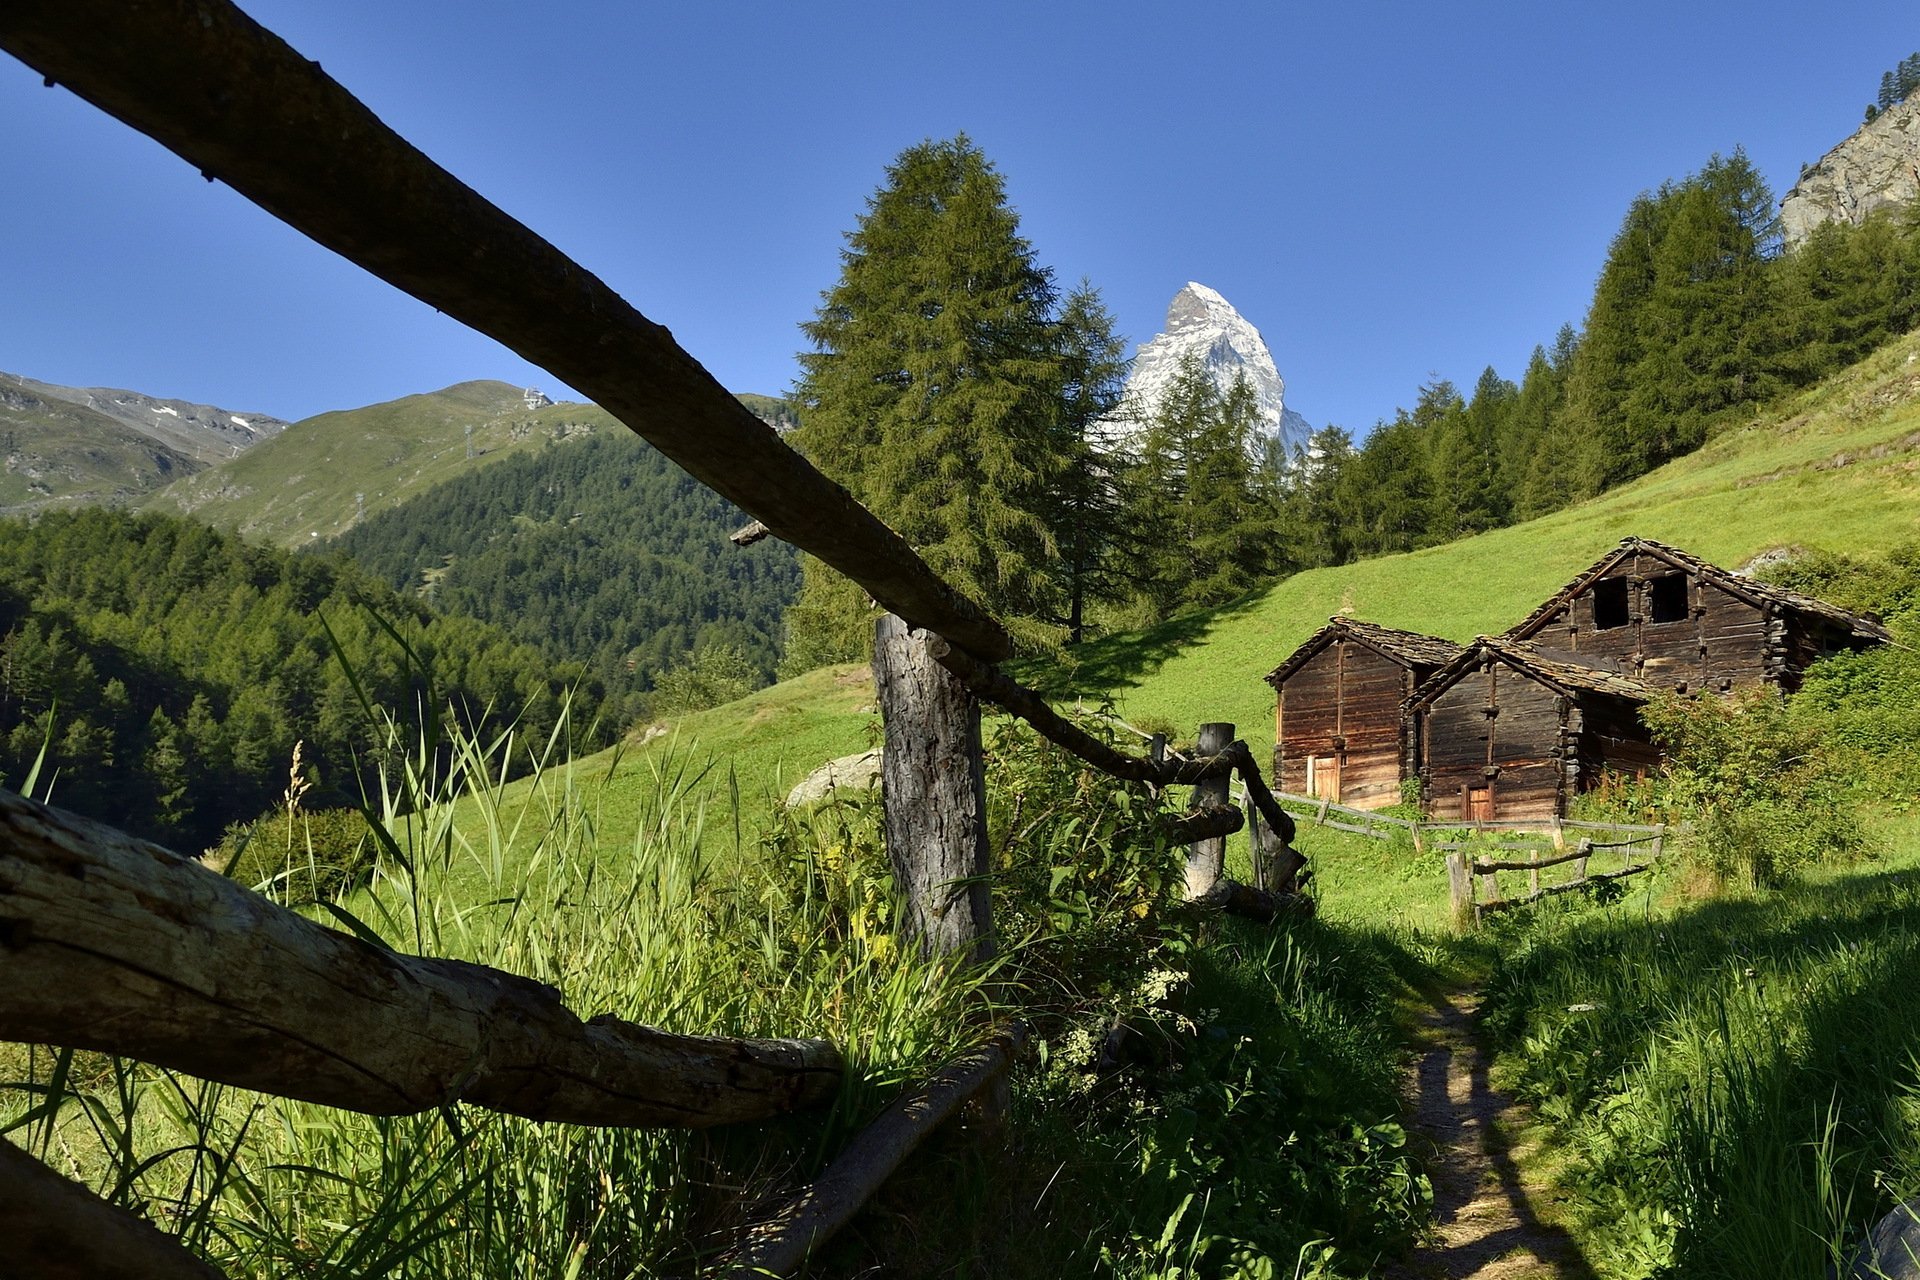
1609 603
1667 598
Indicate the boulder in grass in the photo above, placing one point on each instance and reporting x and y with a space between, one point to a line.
1892 1250
860 772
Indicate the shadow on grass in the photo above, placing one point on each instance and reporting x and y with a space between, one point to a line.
1113 663
1767 1043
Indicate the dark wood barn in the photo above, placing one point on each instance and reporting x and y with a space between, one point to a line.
1678 622
1339 732
1505 731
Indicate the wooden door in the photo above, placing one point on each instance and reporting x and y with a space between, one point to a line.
1480 804
1323 778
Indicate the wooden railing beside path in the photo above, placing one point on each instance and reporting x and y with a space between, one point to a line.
118 945
1473 883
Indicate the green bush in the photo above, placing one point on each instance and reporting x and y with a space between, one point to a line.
1766 796
300 857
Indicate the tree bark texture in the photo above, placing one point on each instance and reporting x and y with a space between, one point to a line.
1206 858
53 1229
934 785
115 944
234 100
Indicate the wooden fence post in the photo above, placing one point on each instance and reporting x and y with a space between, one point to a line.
934 790
1533 876
1459 889
1207 859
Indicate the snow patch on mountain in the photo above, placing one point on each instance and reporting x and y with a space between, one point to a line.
1202 325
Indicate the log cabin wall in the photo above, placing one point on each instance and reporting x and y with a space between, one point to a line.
1340 727
1672 627
1493 746
1671 619
1611 740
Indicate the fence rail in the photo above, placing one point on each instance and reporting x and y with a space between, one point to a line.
1473 883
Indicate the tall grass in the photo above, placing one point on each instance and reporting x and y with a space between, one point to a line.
271 1187
1736 1083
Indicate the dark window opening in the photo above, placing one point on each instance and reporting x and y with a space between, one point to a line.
1609 603
1667 598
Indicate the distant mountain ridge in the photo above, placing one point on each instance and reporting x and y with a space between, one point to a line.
86 446
325 474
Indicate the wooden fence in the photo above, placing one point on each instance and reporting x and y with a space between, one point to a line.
118 945
1473 883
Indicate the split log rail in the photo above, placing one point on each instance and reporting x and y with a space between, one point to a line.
114 944
1473 883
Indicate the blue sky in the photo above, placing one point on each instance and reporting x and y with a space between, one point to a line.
1390 191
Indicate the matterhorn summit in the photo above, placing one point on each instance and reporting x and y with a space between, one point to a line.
1203 325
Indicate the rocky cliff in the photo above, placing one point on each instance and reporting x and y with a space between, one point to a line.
1877 168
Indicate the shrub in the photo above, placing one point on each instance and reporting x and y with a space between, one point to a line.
1765 794
298 857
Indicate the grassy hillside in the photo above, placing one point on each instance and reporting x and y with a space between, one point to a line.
306 482
324 473
1837 467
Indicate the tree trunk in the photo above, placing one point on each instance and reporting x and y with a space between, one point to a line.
1207 859
933 781
115 944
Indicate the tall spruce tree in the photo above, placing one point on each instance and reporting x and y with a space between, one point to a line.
1087 510
942 392
1206 506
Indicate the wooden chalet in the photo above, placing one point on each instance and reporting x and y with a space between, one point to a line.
1507 731
1678 622
1338 728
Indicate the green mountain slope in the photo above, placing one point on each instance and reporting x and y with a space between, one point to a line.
1835 468
601 552
318 476
324 474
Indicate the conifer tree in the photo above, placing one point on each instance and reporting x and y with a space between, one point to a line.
936 393
1087 509
1204 504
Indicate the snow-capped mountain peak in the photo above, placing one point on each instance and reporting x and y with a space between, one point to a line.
1203 325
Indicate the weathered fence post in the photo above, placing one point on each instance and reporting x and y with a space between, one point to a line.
53 1229
1207 859
1533 875
934 788
1585 848
1459 888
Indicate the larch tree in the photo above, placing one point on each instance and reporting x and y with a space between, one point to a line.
947 392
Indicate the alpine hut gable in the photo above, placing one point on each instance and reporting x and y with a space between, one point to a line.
1678 622
1339 728
1506 731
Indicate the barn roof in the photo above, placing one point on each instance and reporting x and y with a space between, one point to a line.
1572 678
1408 648
1762 595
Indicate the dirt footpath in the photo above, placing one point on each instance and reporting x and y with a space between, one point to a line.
1486 1226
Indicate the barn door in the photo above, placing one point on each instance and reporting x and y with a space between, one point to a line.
1480 804
1323 778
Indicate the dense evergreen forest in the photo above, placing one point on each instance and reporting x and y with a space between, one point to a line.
1698 317
168 670
599 553
960 396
